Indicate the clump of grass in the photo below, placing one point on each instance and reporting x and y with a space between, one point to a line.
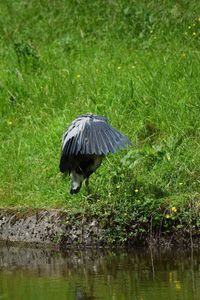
137 64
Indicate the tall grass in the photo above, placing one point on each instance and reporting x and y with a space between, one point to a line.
136 62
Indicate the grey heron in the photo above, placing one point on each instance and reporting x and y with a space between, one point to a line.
85 143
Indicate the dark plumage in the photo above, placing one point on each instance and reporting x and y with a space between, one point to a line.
87 140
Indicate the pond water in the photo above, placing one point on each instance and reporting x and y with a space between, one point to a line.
141 274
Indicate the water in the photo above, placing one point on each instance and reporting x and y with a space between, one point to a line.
136 275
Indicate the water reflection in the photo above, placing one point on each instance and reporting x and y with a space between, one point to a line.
27 273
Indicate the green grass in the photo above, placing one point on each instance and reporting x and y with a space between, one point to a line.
136 62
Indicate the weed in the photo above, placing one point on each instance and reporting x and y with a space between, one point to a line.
136 63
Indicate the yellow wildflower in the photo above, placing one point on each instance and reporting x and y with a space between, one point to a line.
174 209
119 68
9 122
194 33
189 27
136 190
167 216
78 76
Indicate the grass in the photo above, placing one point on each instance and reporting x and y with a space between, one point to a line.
136 63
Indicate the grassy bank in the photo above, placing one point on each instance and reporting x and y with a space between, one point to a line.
136 63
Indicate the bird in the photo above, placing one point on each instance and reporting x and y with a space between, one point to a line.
85 143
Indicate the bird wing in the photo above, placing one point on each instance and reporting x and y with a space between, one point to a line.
90 134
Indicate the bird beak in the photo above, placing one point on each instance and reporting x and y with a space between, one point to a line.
74 191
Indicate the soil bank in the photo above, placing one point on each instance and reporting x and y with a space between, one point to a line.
64 229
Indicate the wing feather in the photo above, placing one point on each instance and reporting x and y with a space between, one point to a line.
90 134
121 139
66 148
95 143
102 141
73 145
102 145
118 139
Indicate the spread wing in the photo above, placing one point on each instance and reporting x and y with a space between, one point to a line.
89 134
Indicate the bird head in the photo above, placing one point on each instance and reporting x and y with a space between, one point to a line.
76 182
